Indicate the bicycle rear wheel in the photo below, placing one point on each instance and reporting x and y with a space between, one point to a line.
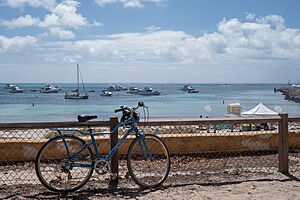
148 161
57 170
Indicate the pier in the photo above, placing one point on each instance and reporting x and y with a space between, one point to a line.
291 93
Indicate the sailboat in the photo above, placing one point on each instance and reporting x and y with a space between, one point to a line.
75 94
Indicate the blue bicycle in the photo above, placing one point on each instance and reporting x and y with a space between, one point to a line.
66 162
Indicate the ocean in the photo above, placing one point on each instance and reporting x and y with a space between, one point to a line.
211 101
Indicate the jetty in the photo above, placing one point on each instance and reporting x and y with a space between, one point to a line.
291 93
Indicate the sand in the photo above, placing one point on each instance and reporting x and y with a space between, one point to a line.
275 186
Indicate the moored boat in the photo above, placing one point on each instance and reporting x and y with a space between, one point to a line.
16 89
114 88
9 86
75 94
186 88
148 91
133 90
49 88
105 93
193 91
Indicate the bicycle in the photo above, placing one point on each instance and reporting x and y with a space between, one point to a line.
66 162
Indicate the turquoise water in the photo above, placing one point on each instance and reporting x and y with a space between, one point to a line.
172 103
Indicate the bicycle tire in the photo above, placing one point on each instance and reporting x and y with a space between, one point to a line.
51 167
145 172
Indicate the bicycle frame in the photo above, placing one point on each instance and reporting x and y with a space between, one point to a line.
93 143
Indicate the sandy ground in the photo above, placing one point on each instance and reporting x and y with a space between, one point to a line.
238 177
273 186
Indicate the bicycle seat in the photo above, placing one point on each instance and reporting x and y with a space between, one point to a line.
84 118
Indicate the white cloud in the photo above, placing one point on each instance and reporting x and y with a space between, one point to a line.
267 38
275 21
48 4
20 22
153 28
15 44
154 45
105 2
264 38
61 33
250 16
71 59
132 4
129 3
65 14
62 16
97 24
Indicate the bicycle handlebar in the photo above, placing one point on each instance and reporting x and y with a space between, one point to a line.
119 110
124 108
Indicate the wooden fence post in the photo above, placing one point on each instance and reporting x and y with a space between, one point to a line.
283 143
113 184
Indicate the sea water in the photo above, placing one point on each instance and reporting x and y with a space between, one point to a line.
211 101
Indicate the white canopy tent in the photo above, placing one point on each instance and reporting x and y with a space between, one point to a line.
259 110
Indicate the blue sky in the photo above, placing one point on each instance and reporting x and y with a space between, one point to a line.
202 41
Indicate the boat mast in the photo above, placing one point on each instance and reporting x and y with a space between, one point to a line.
77 79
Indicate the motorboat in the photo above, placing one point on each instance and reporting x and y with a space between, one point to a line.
186 88
9 86
148 91
114 88
16 89
133 90
121 88
189 89
92 90
111 88
106 93
193 91
50 89
75 94
296 85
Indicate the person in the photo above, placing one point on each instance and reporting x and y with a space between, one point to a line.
200 116
266 127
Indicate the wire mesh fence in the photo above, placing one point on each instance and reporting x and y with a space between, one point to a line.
202 151
294 146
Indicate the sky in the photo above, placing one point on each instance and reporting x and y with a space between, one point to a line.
150 41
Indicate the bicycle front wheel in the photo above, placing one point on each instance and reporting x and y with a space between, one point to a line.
148 161
62 166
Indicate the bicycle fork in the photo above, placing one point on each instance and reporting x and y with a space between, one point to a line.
144 148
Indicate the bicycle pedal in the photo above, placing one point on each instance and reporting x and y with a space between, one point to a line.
113 176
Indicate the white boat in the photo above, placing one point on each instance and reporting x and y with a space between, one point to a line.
50 89
120 87
148 91
133 90
105 93
16 89
75 94
186 88
114 88
111 88
193 91
296 85
9 86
